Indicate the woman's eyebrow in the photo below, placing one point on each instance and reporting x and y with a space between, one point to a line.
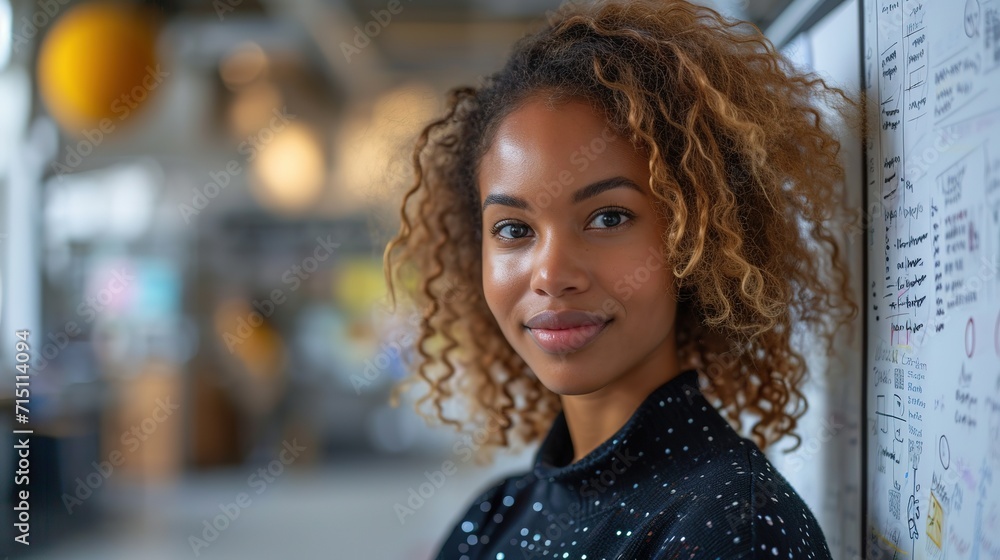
580 195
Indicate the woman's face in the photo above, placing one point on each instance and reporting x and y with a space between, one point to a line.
569 225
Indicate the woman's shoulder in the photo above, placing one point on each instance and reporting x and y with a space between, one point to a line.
750 508
735 504
782 522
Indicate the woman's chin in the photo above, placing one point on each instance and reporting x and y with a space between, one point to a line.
569 382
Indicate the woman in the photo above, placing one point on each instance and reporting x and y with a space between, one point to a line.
612 238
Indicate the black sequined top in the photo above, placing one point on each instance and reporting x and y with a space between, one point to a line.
676 481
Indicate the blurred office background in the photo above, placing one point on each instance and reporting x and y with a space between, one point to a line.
195 199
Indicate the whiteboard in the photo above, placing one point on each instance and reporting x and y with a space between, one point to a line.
931 73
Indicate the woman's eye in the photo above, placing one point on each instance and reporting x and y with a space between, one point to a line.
514 231
610 219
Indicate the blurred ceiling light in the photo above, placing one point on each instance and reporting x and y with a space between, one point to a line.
374 152
97 64
252 108
290 170
244 64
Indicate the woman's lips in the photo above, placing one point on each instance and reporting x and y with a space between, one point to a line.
561 341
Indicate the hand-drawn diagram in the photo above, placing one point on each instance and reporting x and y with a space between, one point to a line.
931 73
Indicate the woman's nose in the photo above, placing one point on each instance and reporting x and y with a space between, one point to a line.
560 266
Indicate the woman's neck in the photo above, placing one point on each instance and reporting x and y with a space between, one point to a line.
594 417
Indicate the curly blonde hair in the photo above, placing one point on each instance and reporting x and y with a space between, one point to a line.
742 163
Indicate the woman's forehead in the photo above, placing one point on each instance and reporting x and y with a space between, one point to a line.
540 121
537 139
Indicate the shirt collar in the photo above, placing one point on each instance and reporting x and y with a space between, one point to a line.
676 412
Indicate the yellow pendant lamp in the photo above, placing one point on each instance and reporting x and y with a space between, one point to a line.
97 66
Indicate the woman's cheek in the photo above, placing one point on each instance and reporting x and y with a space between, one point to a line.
500 283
